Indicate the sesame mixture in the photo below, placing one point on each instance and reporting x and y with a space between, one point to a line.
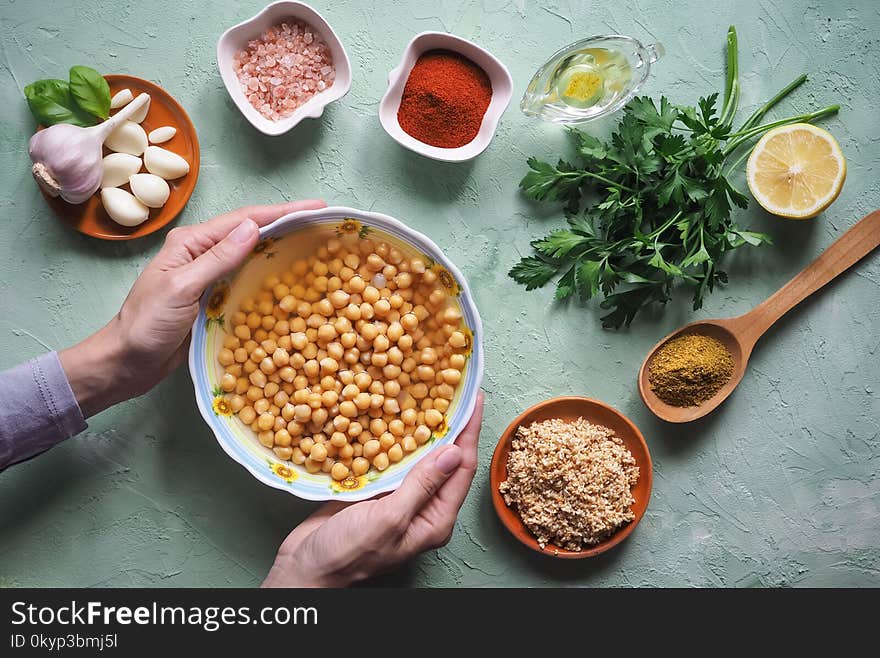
284 68
570 482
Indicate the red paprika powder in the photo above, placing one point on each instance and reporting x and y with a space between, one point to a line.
444 100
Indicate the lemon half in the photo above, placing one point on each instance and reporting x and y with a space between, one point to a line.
796 171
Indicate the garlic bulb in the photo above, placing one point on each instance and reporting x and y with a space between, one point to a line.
164 163
68 159
118 167
123 207
149 189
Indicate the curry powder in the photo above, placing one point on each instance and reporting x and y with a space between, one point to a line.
690 369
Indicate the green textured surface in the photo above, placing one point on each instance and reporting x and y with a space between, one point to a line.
779 487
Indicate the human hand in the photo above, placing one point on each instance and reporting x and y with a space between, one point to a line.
343 543
149 337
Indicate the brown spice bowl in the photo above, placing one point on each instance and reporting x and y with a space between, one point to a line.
570 408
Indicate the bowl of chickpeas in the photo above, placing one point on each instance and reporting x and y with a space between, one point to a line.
344 349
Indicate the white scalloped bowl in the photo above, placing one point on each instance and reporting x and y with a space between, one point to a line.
502 90
236 39
283 241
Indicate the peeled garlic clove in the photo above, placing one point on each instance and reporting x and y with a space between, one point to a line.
149 189
141 114
129 137
121 99
164 163
118 167
123 207
161 135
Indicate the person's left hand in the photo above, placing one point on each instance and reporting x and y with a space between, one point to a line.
149 337
343 543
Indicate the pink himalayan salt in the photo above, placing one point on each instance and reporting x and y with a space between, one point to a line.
284 68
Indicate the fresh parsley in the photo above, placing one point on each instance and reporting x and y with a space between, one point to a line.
651 207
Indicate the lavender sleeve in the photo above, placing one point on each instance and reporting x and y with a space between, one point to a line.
37 409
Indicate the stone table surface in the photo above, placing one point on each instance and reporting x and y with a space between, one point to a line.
779 487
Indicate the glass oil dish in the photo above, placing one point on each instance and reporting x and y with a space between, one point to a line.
589 79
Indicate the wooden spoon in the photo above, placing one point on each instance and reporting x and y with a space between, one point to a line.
740 334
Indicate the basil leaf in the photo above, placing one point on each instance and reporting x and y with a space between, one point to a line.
51 102
90 91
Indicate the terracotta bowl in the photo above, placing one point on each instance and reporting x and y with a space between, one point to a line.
570 408
91 218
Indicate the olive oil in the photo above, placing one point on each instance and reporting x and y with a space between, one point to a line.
588 79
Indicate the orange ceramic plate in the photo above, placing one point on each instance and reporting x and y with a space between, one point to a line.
91 218
570 408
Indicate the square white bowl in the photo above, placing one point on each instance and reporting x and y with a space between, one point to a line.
499 77
236 38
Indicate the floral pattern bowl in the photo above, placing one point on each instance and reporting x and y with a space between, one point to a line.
286 239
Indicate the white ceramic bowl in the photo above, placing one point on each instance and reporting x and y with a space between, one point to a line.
236 38
502 90
285 240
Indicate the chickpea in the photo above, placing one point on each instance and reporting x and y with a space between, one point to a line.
311 368
359 466
339 471
348 409
302 413
381 461
386 441
378 426
371 295
409 444
395 453
329 365
396 427
311 466
227 382
433 417
297 456
382 308
266 438
280 357
258 378
247 415
326 333
363 380
457 340
226 357
318 452
306 445
339 299
372 448
441 405
369 332
422 434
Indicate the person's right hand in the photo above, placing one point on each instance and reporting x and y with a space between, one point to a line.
343 543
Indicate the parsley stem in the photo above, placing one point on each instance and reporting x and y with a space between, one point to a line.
740 138
731 85
583 174
758 114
